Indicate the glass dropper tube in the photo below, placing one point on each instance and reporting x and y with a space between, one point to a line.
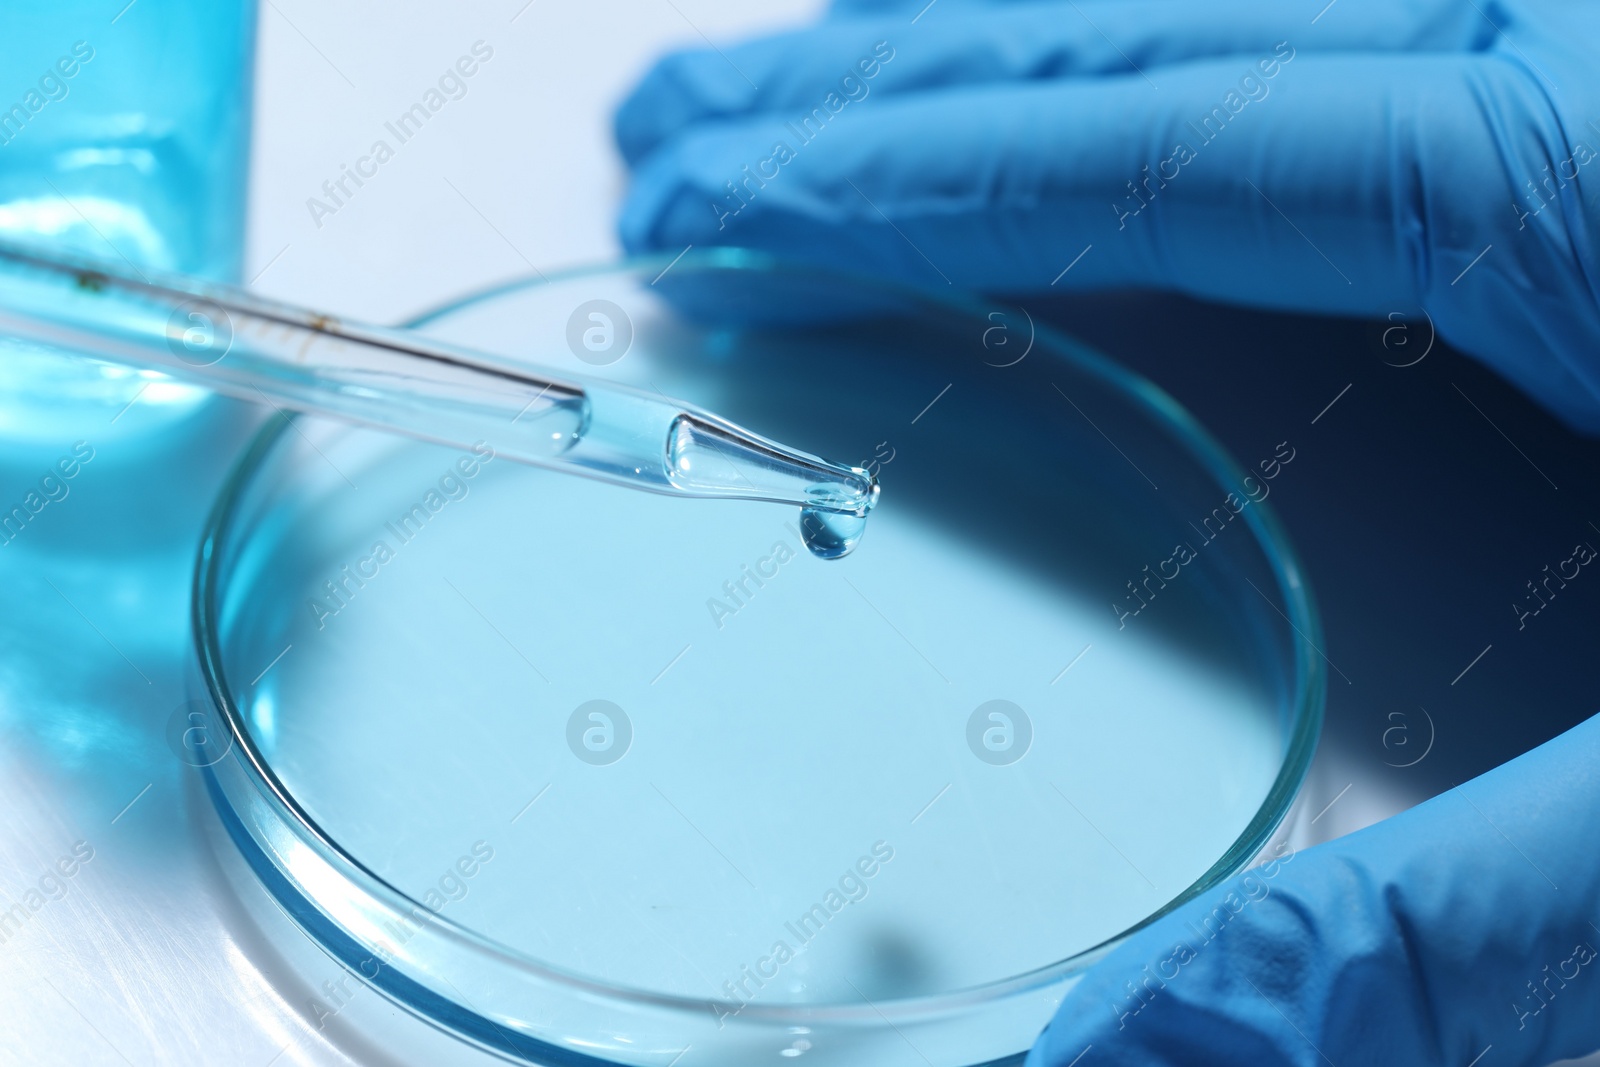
243 346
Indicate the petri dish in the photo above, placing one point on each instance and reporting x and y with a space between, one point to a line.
582 775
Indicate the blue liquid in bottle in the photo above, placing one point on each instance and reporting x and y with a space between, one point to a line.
124 134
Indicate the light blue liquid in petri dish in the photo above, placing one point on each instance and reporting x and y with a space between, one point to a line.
709 766
124 135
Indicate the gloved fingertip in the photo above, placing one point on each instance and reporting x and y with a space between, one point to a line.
628 131
636 220
644 117
656 212
681 89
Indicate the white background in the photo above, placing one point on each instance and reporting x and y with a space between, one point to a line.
529 147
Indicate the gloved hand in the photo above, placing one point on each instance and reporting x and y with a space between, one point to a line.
1466 922
1349 158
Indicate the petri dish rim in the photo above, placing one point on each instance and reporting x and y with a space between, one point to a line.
1304 716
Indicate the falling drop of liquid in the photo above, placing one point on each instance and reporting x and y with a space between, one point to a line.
831 534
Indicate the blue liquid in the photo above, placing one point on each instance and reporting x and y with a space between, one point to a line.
1166 755
831 534
709 459
734 800
131 145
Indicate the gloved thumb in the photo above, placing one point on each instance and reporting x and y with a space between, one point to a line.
1469 923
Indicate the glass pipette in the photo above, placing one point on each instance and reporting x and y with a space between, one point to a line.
234 343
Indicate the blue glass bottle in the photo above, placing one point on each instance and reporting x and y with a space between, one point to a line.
124 134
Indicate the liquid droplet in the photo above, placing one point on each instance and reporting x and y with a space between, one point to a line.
831 534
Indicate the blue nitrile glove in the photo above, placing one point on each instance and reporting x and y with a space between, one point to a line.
1472 920
1348 157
